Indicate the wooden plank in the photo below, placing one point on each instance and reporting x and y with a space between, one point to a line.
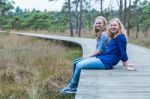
119 83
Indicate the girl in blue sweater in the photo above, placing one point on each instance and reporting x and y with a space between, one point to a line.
115 52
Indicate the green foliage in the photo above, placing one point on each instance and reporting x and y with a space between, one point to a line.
5 6
146 14
58 21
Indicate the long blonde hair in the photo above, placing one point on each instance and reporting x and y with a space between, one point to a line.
98 32
121 28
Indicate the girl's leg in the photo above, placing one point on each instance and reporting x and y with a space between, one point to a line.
75 62
88 63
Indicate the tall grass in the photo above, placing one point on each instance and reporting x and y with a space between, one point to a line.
142 40
34 69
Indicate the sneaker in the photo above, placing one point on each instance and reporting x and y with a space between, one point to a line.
68 89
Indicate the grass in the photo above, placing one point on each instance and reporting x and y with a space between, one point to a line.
32 68
141 40
4 34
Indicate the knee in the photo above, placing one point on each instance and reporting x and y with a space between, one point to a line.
74 64
79 65
75 61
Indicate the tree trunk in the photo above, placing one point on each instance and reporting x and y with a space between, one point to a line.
80 19
137 22
125 11
120 10
70 20
129 15
77 17
101 7
137 26
89 16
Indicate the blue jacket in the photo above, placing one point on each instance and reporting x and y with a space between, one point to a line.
115 52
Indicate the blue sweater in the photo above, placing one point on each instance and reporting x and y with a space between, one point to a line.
115 52
102 42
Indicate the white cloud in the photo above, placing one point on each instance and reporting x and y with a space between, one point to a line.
39 4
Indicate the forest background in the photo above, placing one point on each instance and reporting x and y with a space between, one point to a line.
76 17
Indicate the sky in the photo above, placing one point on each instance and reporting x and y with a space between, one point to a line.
39 4
53 5
44 4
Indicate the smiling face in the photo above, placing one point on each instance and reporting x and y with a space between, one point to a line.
99 24
114 27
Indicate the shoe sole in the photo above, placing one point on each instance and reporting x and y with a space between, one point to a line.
70 92
67 92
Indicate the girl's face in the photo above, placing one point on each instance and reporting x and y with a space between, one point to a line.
99 24
114 27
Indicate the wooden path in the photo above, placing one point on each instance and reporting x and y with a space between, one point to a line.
111 84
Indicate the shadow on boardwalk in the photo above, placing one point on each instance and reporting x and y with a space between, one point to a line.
111 84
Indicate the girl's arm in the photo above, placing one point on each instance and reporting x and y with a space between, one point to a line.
102 42
122 43
94 53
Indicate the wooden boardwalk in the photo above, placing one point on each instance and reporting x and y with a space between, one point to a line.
111 84
118 83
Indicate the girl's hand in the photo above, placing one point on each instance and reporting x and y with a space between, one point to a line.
130 68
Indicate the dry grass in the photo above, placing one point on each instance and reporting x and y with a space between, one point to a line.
142 40
85 33
34 69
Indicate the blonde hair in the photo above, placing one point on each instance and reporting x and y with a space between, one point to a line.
121 28
98 32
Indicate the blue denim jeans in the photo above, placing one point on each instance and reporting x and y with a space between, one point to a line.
85 63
